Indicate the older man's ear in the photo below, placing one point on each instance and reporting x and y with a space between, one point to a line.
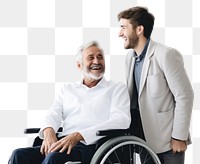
79 65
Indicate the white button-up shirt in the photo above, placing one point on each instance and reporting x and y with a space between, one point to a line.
86 110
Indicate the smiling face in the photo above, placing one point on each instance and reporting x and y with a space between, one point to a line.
93 63
128 33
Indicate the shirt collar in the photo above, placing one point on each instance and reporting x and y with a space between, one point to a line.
142 55
102 83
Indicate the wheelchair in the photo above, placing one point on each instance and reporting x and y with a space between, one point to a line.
116 147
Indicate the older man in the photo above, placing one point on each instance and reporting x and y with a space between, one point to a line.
82 108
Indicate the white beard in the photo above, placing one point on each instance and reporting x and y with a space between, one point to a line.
89 75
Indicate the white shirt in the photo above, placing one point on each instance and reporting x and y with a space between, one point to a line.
87 110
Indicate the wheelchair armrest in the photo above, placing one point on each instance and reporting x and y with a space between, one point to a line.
31 130
113 132
36 130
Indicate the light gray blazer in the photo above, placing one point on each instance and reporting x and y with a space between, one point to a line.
165 96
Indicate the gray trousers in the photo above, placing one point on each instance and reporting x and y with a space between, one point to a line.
172 158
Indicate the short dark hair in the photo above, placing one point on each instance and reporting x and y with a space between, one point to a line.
139 16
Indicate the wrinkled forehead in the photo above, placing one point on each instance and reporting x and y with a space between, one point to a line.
92 50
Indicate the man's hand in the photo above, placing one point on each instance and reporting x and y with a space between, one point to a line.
66 143
178 145
49 139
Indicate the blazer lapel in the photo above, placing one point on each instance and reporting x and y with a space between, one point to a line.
130 67
146 64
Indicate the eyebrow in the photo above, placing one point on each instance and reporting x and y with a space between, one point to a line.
92 55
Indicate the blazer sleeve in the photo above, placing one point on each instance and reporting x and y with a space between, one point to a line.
180 86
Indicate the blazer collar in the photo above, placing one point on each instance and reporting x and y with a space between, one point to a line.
151 48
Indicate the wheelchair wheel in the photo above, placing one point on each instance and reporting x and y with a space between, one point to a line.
125 150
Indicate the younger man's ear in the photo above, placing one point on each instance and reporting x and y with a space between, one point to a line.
140 29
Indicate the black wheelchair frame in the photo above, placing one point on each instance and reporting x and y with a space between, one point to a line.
117 146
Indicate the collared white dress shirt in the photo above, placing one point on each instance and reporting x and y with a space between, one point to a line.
86 110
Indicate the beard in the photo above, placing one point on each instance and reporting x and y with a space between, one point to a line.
89 75
132 41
